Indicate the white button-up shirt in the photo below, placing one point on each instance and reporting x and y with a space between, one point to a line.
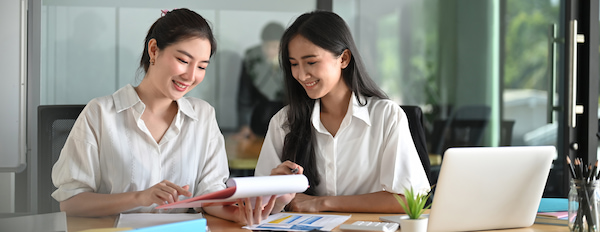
110 150
372 150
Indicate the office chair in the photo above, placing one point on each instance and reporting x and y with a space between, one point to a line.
261 116
54 125
464 128
417 132
506 128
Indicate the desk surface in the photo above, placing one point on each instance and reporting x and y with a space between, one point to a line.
218 225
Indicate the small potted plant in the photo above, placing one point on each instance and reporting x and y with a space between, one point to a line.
414 206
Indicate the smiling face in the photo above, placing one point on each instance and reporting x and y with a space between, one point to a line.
179 67
318 70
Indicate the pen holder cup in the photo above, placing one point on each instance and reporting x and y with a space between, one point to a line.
583 205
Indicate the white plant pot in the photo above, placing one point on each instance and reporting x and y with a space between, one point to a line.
413 225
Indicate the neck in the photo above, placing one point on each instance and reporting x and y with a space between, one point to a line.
152 98
336 103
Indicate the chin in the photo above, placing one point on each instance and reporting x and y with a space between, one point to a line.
315 96
176 97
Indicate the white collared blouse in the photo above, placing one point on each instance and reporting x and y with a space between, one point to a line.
110 150
372 150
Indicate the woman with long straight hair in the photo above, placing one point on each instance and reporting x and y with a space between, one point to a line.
339 129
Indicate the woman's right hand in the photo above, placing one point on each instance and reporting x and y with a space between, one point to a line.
162 193
287 168
247 215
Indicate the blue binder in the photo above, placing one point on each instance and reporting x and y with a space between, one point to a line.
553 205
198 225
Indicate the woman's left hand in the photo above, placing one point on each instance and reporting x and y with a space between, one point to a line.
306 203
248 215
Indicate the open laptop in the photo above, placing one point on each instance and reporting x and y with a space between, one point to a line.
483 188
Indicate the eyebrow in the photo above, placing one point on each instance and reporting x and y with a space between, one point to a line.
304 57
190 55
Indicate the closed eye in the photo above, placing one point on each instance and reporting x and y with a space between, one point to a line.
182 61
202 68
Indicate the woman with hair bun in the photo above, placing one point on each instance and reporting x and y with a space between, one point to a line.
148 145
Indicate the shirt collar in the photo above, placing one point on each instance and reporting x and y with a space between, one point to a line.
126 98
359 111
185 106
354 109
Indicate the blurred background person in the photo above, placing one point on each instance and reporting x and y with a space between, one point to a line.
261 79
261 89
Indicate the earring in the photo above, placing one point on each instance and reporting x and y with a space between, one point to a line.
152 61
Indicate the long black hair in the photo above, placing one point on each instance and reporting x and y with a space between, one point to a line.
175 26
328 31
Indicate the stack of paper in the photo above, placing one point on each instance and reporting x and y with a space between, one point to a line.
553 211
553 218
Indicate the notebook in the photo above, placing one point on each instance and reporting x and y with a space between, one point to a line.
483 188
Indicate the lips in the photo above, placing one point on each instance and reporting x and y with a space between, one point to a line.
311 84
180 86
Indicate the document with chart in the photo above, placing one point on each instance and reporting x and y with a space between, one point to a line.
300 222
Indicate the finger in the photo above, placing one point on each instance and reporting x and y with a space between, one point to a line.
300 170
285 168
269 207
167 194
241 212
164 196
180 190
248 210
187 189
293 167
289 164
257 210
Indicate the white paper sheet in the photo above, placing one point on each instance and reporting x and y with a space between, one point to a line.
267 185
242 187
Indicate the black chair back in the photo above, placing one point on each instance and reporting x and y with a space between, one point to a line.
417 131
261 116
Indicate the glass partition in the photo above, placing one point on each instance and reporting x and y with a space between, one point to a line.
92 48
480 70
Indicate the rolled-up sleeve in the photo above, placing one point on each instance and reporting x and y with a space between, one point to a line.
214 171
78 168
272 148
401 167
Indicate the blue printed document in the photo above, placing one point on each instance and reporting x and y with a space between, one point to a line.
300 222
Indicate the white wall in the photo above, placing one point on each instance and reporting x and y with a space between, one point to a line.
10 146
7 193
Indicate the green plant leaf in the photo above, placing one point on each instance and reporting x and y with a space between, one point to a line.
413 205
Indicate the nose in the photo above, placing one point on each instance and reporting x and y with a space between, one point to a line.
190 73
302 74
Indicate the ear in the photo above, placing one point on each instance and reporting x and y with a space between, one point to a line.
152 49
346 56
